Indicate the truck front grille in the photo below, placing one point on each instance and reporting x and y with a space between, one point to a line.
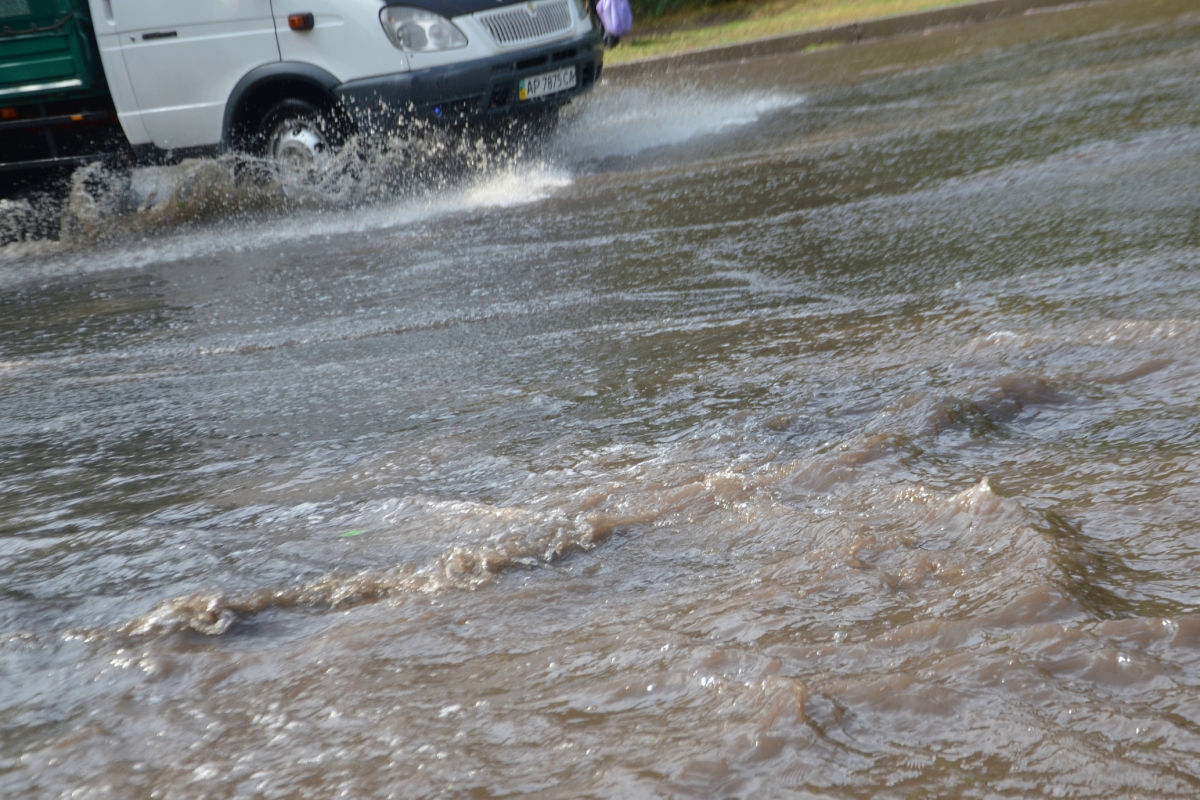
527 22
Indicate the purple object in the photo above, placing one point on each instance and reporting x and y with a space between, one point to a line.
615 15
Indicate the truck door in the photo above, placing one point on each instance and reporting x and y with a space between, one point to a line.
183 58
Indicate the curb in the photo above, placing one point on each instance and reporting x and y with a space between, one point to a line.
840 34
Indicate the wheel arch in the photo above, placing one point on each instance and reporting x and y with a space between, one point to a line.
263 87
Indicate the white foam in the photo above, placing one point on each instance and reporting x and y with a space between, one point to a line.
514 187
627 121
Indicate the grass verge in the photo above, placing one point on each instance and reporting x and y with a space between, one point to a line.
747 20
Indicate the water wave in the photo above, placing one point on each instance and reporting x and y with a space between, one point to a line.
968 549
517 538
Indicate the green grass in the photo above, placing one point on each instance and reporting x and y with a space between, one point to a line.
729 23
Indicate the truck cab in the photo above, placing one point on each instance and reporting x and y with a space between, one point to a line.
279 78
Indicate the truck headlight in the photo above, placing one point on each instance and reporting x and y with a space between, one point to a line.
416 30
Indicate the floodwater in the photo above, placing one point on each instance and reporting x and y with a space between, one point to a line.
814 426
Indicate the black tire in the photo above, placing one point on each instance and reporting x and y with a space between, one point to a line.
300 143
542 124
525 133
295 129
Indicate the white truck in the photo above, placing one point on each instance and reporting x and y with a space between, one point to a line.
277 78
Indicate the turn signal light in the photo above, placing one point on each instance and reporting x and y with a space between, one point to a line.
301 22
8 113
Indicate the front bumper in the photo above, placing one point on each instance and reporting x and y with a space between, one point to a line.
484 88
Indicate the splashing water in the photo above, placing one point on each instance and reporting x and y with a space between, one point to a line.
375 184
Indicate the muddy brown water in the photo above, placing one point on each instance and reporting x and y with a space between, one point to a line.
809 426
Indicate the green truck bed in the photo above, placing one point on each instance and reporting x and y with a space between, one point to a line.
54 102
46 50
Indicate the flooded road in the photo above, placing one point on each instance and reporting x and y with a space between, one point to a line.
814 426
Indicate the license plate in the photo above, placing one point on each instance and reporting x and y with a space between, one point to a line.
547 83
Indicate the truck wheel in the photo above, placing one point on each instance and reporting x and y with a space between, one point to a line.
531 130
544 123
301 140
295 133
